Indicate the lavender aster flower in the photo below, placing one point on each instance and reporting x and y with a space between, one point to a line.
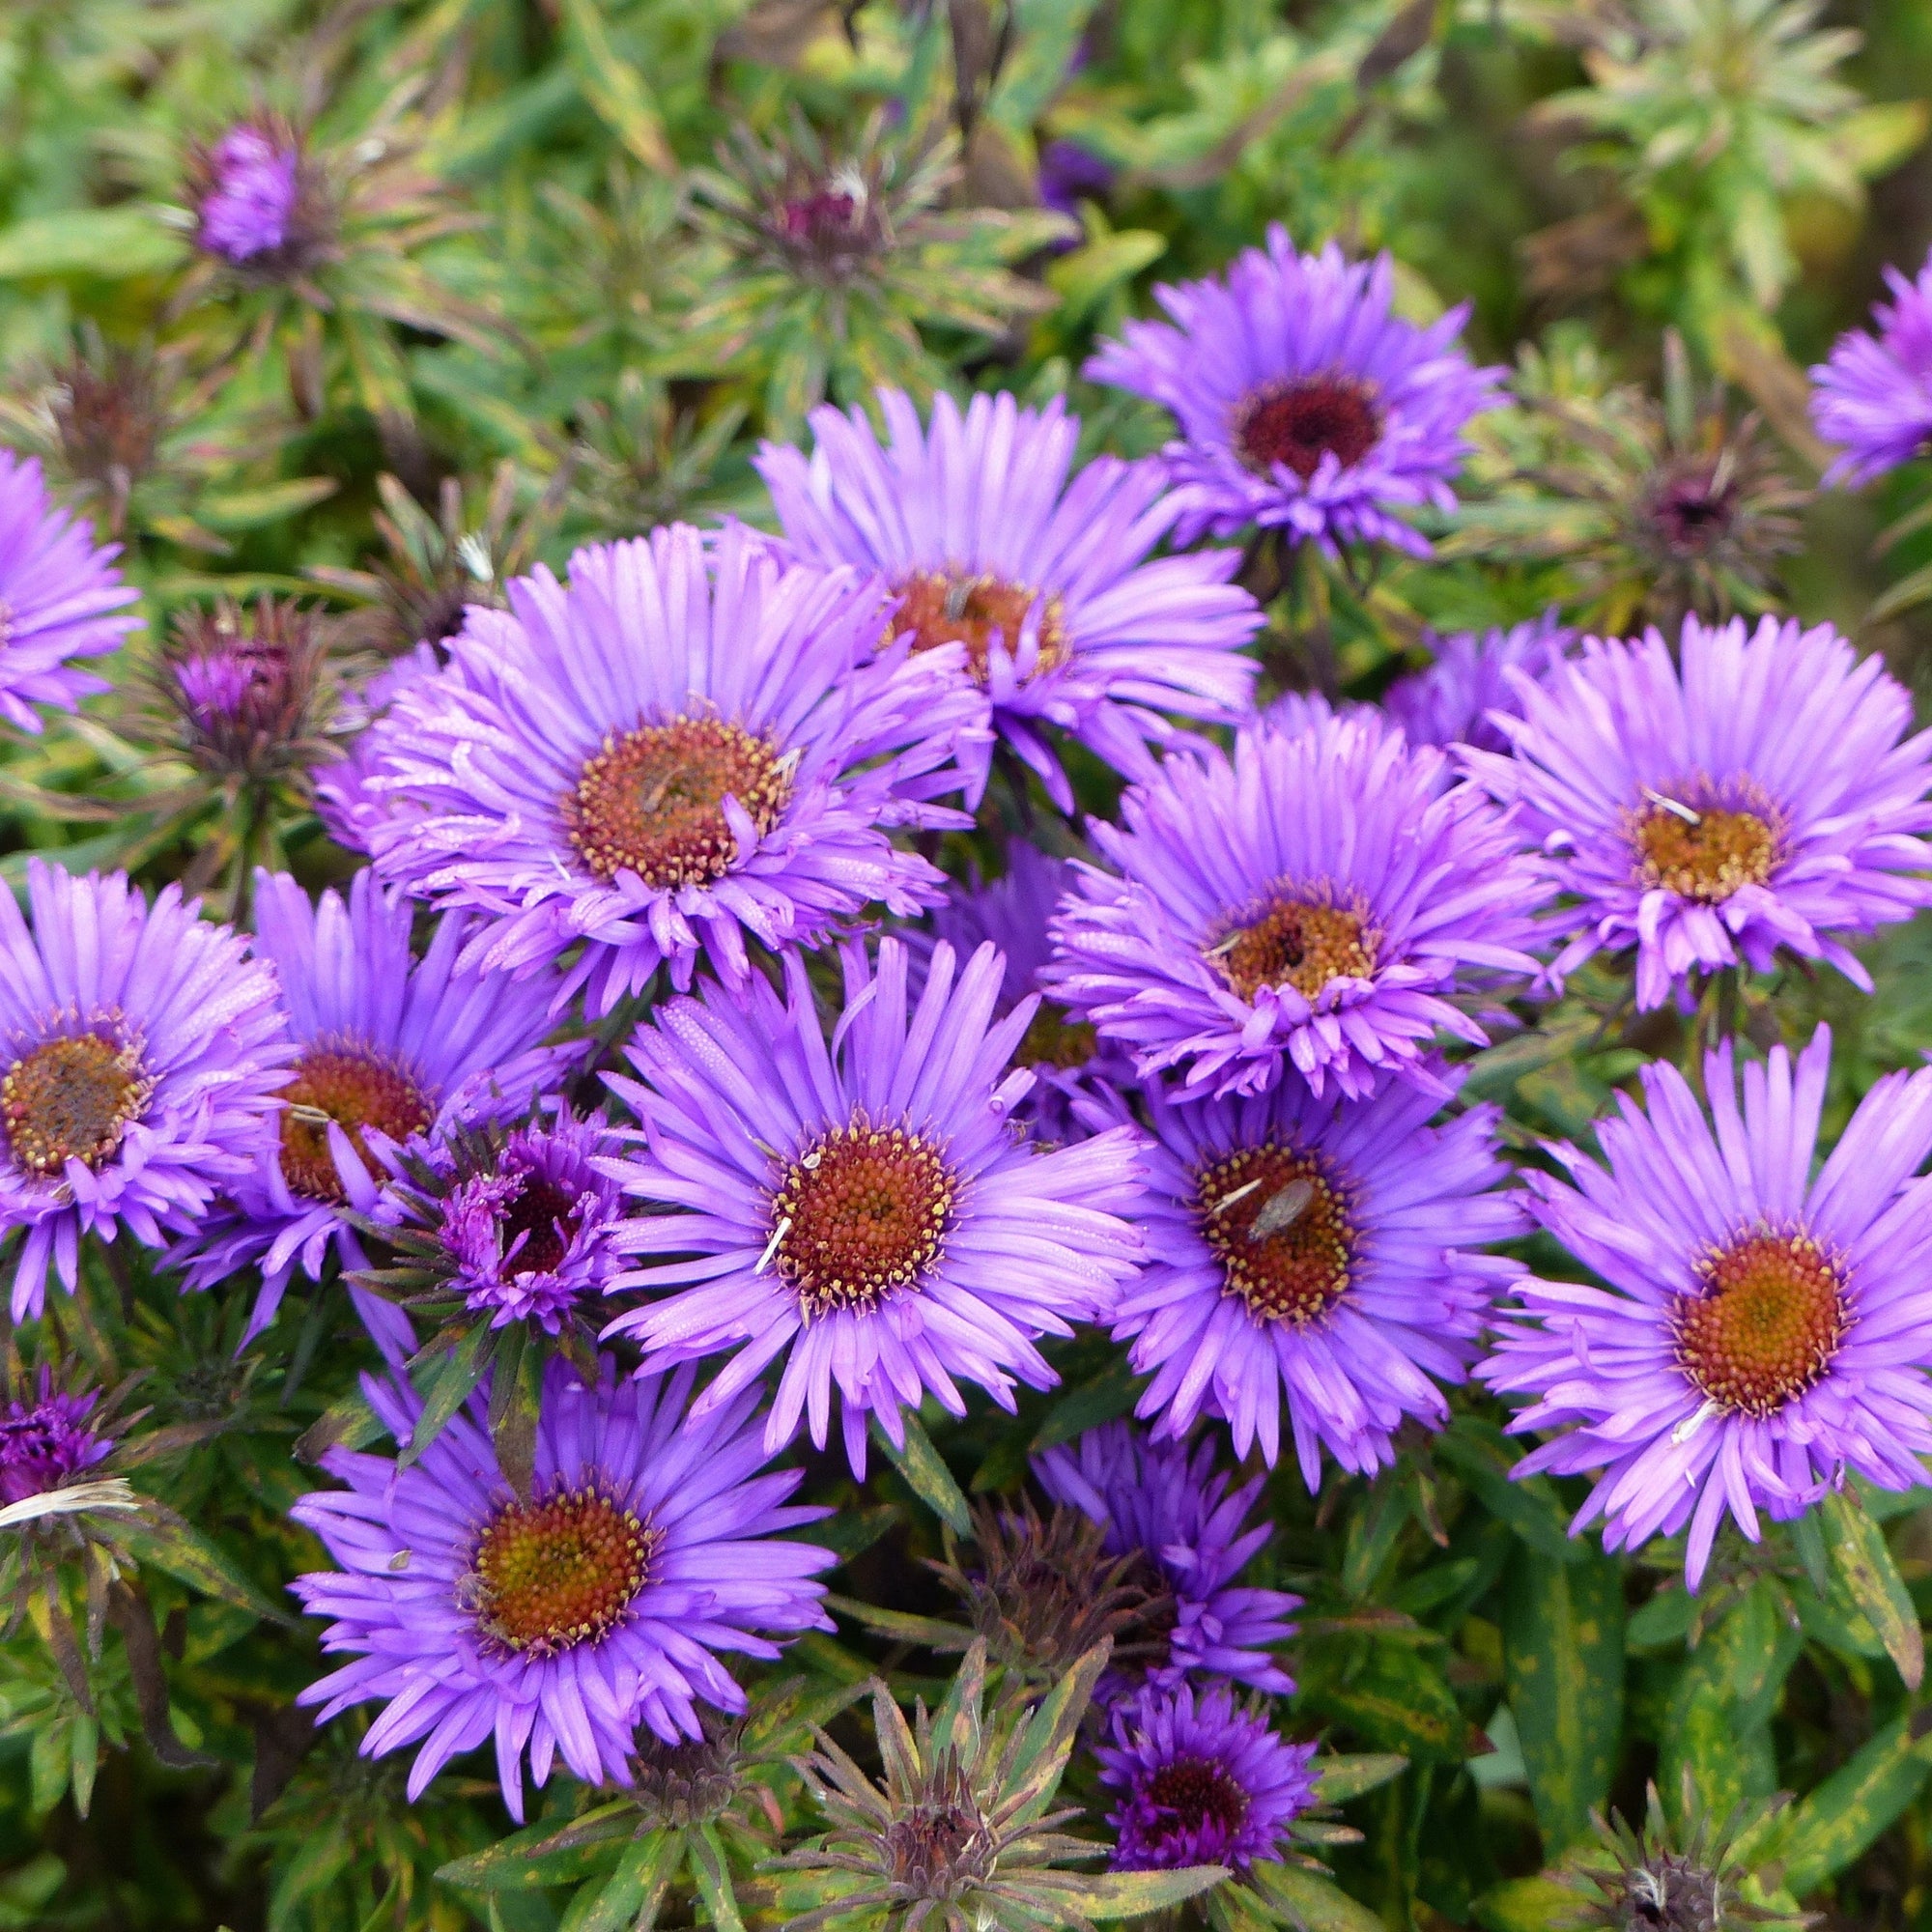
1874 394
662 758
1305 405
1307 903
1203 1781
247 202
560 1622
1759 1333
1318 1249
1764 795
868 1211
58 599
987 543
1173 1505
1451 701
388 1049
140 1051
49 1441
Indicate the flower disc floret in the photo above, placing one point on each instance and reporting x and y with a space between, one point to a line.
547 1576
355 1089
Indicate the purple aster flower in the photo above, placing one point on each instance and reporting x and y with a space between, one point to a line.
345 800
1013 912
665 756
1451 701
141 1052
1321 1249
49 1441
1763 795
248 202
58 599
525 1220
868 1211
559 1623
978 532
1203 1781
1759 1333
1171 1503
389 1048
1070 174
1304 403
1309 902
1874 396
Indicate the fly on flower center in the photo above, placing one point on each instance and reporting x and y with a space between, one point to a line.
71 1098
1294 942
1278 1223
1703 851
940 608
546 1576
356 1088
861 1213
1194 1793
1298 423
1770 1321
652 801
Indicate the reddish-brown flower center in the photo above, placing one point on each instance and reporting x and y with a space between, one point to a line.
1767 1325
1194 1791
1703 854
652 802
1292 943
863 1212
1299 424
548 1575
70 1099
545 1216
1052 1039
356 1088
1279 1227
943 609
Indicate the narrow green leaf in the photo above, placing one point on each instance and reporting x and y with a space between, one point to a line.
713 1874
1130 1894
1309 1903
543 1855
1525 1905
1391 1693
1563 1648
1101 1397
1830 1827
110 242
1349 1775
932 1632
164 1539
348 1424
1048 1736
1085 277
1717 1725
1862 1560
642 1876
614 88
450 1384
851 1531
1480 1454
930 1480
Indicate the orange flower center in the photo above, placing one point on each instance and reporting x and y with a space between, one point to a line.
863 1212
652 802
1298 945
1279 1227
945 609
1298 423
70 1099
1704 855
1767 1325
548 1576
356 1088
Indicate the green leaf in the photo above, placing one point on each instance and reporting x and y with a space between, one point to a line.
1862 1561
1875 138
1563 1648
1102 1397
930 1480
1718 1725
1390 1694
1309 1903
615 89
544 1855
111 243
709 1867
450 1385
164 1539
1130 1894
1835 1825
1524 1905
1480 1454
848 1532
266 503
348 1424
935 1633
643 1873
1088 274
1347 1775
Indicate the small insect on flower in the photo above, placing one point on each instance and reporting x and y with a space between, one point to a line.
990 541
869 1212
1203 1781
1304 403
1874 393
1763 793
1299 911
559 1621
389 1048
59 600
1756 1332
140 1053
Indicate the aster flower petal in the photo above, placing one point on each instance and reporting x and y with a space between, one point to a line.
985 535
867 1210
560 1622
1306 904
1304 403
1451 702
140 1053
1762 795
1874 392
